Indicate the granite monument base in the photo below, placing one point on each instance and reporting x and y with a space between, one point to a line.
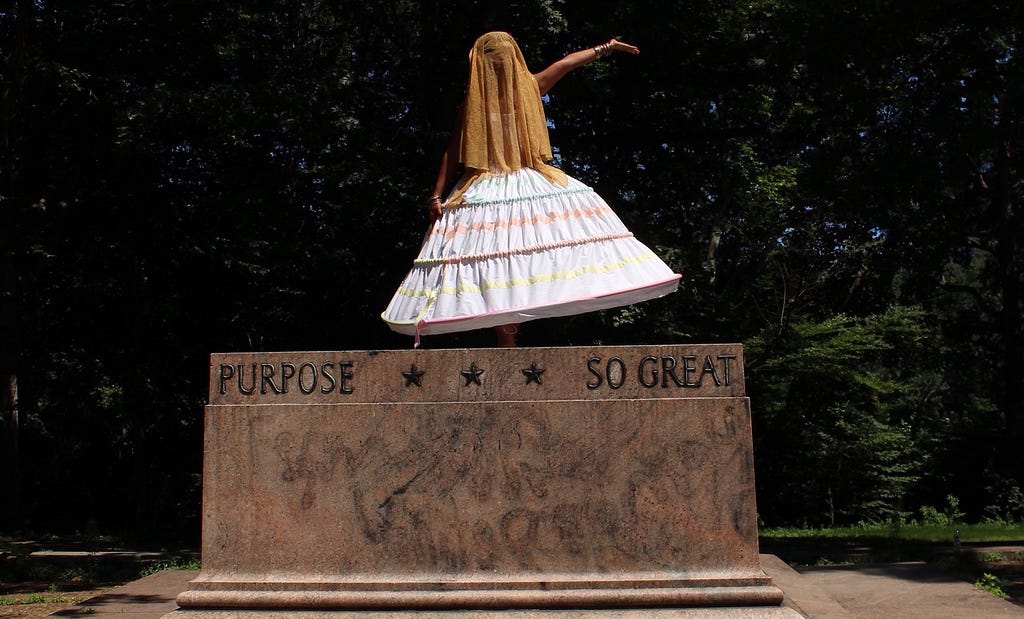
553 479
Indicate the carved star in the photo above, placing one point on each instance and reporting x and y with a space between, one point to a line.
533 373
414 376
472 375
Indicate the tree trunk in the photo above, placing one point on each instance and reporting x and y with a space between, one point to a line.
11 201
1010 316
12 466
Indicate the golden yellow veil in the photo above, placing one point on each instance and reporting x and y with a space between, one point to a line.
502 125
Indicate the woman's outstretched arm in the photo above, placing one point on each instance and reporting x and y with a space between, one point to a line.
547 78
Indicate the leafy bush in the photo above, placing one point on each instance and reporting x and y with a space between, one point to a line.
933 517
993 584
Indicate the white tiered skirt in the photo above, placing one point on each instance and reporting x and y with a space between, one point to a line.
520 247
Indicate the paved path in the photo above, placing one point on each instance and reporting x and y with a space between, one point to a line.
904 590
150 597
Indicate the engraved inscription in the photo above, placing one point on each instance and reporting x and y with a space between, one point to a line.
667 371
285 377
288 376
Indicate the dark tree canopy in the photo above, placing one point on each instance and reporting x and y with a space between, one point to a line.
838 185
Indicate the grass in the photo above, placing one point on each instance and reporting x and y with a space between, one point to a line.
881 543
969 533
36 598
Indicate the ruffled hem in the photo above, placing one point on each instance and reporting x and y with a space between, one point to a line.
568 307
518 247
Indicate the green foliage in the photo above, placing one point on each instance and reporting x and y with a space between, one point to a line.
951 515
1007 502
953 512
177 563
933 517
880 532
992 584
34 598
859 446
832 181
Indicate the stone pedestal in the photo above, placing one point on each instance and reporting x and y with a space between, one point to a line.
482 479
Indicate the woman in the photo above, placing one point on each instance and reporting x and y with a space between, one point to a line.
517 239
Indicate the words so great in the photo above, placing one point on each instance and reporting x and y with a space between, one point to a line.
664 371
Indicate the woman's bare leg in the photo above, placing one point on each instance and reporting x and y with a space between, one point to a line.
507 335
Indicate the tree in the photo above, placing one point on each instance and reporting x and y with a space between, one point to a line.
837 184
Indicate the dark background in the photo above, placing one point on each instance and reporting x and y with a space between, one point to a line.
838 183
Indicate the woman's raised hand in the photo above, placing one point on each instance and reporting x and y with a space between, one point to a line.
620 46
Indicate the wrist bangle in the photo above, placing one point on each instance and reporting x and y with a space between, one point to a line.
603 50
433 199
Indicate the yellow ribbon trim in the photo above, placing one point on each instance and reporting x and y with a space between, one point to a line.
527 281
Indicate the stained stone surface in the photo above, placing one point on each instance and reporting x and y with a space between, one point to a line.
558 478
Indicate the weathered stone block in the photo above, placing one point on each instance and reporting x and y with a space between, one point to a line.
551 478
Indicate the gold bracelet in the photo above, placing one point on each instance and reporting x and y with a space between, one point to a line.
433 199
603 50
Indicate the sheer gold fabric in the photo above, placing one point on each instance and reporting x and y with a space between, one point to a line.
502 124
